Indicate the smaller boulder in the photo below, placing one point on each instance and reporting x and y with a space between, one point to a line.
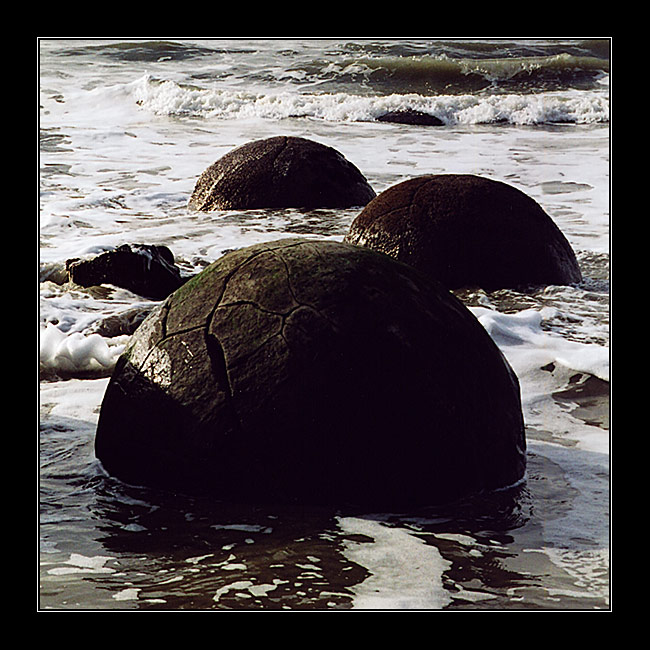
147 270
411 117
281 172
467 231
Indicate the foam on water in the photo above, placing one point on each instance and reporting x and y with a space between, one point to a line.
81 564
526 345
172 99
534 353
74 400
75 353
406 573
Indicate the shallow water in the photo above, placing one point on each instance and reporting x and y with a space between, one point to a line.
107 545
127 128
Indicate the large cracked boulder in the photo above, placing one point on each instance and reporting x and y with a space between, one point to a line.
467 231
314 372
281 172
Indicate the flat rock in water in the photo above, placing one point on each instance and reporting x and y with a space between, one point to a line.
315 372
144 269
125 322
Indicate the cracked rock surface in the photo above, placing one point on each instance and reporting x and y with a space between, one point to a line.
467 231
281 172
315 372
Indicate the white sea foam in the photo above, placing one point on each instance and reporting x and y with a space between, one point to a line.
173 99
530 349
405 572
78 563
130 593
522 339
75 352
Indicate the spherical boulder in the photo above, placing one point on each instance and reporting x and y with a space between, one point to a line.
316 372
465 231
281 172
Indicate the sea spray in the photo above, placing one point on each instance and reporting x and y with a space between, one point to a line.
169 98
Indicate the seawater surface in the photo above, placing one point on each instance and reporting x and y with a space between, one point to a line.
127 126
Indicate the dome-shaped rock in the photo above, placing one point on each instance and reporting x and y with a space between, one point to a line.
466 230
315 372
281 172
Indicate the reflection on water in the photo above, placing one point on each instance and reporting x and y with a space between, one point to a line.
106 545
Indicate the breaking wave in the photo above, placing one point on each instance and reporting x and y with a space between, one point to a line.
178 100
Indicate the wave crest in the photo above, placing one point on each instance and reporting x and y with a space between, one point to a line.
172 99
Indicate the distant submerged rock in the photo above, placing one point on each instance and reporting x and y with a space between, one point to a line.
281 172
315 372
467 231
409 116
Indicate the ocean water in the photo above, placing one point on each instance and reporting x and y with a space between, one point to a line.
126 128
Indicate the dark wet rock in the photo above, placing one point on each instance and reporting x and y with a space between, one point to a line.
147 270
125 322
313 372
588 398
411 117
281 172
467 231
55 272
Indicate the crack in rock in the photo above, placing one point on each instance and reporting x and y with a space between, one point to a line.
220 373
